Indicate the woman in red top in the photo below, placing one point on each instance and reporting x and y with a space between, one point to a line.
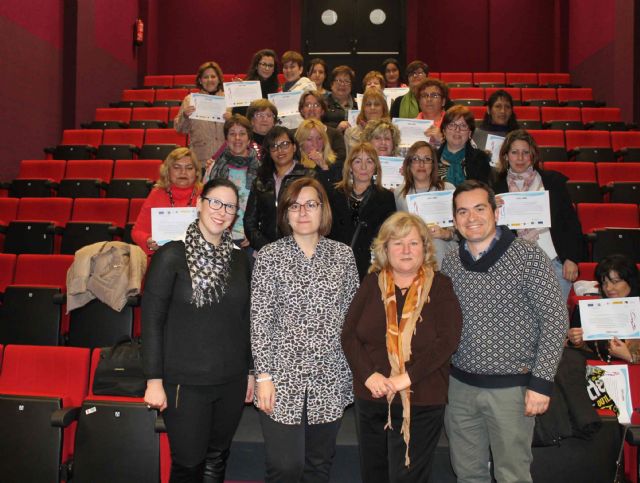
179 185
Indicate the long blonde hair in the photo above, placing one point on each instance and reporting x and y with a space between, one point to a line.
346 184
302 134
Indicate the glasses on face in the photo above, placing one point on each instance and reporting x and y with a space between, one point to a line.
311 205
311 105
266 65
421 161
216 204
455 126
431 95
264 115
343 82
417 73
281 146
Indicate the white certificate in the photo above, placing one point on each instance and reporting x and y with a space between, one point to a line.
391 93
391 177
359 101
608 318
526 209
608 388
352 117
434 207
493 145
291 121
241 93
171 223
411 130
286 102
208 108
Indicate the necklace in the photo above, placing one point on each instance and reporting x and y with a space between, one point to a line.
172 201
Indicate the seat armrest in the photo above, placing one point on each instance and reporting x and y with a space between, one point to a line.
159 425
61 418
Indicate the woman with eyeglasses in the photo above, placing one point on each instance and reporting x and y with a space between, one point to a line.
264 68
360 204
420 171
301 289
313 105
196 347
407 106
279 168
178 186
433 95
459 160
383 135
339 100
374 107
205 137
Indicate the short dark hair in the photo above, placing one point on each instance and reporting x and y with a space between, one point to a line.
415 65
240 120
260 105
455 112
217 183
623 266
474 184
289 197
318 97
342 70
267 168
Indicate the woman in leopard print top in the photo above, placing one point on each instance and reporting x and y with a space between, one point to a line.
301 289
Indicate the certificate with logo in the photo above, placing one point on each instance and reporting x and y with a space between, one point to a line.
434 207
526 209
391 177
208 108
603 319
241 93
169 224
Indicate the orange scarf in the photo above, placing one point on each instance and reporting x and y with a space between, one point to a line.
399 334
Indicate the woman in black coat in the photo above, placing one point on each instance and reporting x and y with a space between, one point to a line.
359 204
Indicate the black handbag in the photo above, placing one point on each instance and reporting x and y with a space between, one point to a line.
119 371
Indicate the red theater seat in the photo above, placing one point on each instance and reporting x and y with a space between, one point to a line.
554 79
76 144
561 117
158 81
149 117
576 97
626 145
84 178
37 178
188 80
457 79
589 145
120 143
522 79
551 144
110 118
603 118
540 96
489 79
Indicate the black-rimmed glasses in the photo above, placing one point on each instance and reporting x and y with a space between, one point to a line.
216 204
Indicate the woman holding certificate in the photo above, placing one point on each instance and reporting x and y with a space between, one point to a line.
420 170
520 170
360 204
433 95
459 159
205 137
401 329
618 277
179 185
374 107
196 347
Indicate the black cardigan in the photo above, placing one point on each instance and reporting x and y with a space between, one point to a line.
377 208
566 231
184 344
475 165
260 216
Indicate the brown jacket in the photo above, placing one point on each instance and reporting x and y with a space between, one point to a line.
108 271
205 137
435 339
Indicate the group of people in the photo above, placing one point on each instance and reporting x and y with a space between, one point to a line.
304 285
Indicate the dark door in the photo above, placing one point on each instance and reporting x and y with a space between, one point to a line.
359 33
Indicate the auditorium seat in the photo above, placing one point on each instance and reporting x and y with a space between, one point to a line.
554 79
86 178
626 145
584 191
489 79
7 269
561 118
110 118
186 81
116 429
467 96
457 79
522 79
134 208
539 96
8 211
603 118
577 97
41 391
37 223
37 178
514 92
575 171
76 144
158 143
149 117
133 178
595 216
528 117
170 97
551 144
120 143
158 81
589 145
94 220
173 112
136 98
478 113
622 181
98 325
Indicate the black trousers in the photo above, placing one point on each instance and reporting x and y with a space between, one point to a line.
201 422
298 452
382 452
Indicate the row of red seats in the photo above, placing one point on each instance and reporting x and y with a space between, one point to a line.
137 117
50 415
135 137
592 145
568 96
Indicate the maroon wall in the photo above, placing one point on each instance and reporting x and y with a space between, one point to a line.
30 81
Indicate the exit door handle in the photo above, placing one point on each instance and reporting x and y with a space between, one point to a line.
354 46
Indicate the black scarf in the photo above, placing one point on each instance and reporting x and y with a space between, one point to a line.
486 261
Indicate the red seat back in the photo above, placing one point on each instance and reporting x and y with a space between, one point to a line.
147 95
585 139
550 114
165 136
110 210
52 169
521 78
45 209
7 269
618 172
575 94
122 114
575 171
134 208
42 270
89 169
158 81
150 114
554 78
595 114
91 137
466 93
527 113
171 94
497 77
184 80
456 77
137 168
8 209
123 136
595 216
514 92
548 137
539 93
621 140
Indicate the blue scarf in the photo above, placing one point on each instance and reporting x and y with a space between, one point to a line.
455 173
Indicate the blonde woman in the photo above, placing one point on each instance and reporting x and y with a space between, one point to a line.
316 152
374 108
360 204
383 135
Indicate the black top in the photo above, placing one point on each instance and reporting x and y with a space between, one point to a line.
260 216
184 344
566 231
475 165
373 211
335 112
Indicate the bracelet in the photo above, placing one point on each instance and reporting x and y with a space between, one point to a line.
264 379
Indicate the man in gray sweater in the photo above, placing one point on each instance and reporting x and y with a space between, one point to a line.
514 322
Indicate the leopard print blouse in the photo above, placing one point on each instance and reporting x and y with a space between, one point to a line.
298 306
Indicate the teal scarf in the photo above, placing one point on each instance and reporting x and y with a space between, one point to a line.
455 173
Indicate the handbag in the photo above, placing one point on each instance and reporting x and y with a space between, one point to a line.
119 371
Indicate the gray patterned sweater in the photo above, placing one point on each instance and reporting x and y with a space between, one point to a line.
514 319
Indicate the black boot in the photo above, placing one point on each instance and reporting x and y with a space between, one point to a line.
215 465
